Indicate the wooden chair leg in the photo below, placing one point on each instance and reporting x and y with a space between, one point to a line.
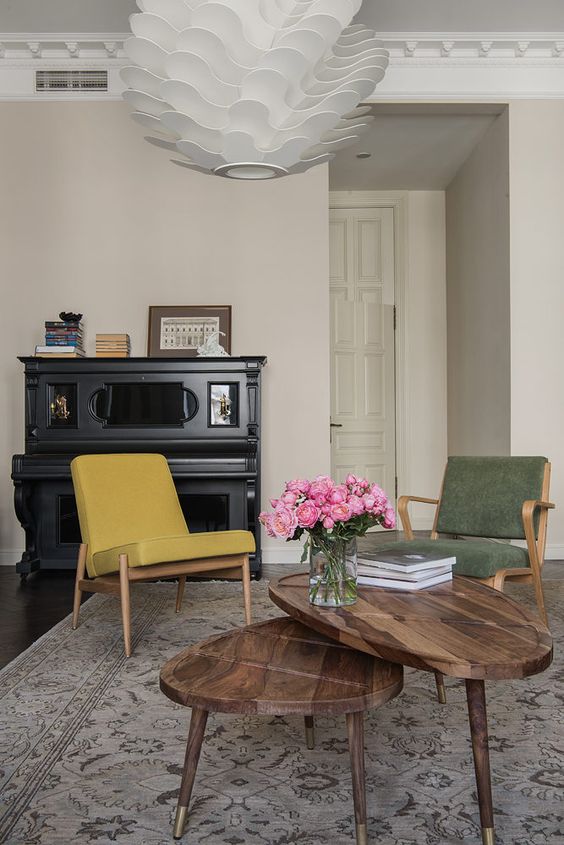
246 574
180 592
193 748
440 684
539 596
355 727
80 571
124 598
309 732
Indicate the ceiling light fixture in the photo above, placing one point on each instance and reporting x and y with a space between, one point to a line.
251 89
364 155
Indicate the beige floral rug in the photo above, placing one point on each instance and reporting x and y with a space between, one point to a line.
91 751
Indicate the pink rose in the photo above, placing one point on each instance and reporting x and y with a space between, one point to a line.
356 505
266 520
274 502
389 518
328 523
289 498
338 495
307 514
369 501
298 485
341 512
283 522
321 487
351 480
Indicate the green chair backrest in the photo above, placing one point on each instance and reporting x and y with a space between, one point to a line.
483 497
124 499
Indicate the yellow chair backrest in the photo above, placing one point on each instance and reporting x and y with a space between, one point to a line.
124 499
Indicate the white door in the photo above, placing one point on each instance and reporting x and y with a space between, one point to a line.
362 345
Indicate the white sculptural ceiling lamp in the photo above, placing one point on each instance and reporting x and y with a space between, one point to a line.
251 89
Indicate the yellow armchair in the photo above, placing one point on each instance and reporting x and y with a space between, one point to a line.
133 529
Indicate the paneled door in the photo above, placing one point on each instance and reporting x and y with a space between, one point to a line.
362 345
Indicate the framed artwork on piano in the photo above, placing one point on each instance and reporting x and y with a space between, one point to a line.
178 331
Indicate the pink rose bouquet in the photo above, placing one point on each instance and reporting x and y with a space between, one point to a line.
327 510
333 515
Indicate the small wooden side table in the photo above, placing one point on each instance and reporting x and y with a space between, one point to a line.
278 667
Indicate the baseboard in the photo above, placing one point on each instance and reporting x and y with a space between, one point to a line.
554 552
9 557
289 554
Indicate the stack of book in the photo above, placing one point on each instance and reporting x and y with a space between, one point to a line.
63 339
112 346
404 571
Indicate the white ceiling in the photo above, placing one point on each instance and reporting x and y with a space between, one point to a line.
413 148
463 15
383 15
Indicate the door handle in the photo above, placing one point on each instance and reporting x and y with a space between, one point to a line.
335 425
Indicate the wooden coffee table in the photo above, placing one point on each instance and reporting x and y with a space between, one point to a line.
462 629
278 667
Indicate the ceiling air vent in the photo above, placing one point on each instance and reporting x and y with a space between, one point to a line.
71 80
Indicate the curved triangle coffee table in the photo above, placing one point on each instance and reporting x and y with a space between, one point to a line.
462 629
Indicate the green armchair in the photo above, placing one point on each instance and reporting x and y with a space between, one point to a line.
499 499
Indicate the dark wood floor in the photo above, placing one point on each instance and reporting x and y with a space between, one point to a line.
28 609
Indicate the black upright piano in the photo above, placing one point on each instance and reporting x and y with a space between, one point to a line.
203 414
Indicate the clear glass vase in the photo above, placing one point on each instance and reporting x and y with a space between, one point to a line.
332 572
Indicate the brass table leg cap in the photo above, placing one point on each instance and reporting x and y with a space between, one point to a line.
310 738
361 835
180 821
488 836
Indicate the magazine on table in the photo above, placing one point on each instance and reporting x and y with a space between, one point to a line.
397 584
396 575
405 562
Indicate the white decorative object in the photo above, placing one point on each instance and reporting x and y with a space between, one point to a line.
211 348
251 89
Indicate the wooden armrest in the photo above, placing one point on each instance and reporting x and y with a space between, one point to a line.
403 502
530 506
406 499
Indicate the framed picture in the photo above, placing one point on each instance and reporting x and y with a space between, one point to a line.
176 331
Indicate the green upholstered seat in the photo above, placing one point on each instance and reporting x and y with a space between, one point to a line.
476 558
171 549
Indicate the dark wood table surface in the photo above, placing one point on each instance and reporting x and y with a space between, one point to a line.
462 629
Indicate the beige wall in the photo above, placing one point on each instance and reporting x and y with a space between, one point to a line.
93 218
537 292
425 371
478 283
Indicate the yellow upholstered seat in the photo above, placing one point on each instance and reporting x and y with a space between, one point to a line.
133 529
185 547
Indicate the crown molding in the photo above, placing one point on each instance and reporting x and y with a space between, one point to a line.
445 66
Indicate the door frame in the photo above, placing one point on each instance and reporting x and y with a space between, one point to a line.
398 202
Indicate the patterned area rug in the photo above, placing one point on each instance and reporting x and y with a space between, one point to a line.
91 751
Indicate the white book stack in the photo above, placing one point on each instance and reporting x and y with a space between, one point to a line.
396 571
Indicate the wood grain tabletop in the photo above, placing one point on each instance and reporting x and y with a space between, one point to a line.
462 628
279 667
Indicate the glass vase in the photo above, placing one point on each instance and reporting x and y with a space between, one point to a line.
332 572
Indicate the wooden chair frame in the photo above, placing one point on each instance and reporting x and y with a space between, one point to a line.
536 546
118 583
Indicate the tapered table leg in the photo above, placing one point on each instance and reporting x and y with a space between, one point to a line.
309 732
355 727
440 684
193 748
476 696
